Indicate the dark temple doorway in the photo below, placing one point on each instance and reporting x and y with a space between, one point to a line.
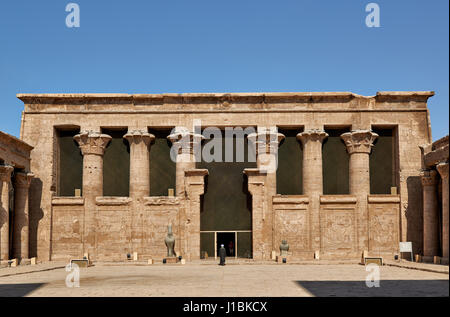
228 239
226 206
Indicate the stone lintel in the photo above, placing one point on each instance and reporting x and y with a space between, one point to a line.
338 199
383 198
196 172
112 201
161 200
291 199
67 201
434 157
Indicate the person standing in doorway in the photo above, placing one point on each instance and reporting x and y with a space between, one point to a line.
222 254
231 248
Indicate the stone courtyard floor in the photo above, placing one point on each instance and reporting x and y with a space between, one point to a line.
210 280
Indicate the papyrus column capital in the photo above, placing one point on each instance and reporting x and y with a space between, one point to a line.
5 173
139 136
315 135
429 178
359 141
91 142
22 179
443 169
266 140
185 141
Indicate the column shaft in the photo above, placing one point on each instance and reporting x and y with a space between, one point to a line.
92 145
443 171
313 178
430 214
359 145
21 216
139 162
5 180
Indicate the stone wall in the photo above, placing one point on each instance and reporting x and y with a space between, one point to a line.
405 111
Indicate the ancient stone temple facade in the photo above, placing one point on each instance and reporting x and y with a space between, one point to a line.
15 180
435 200
111 173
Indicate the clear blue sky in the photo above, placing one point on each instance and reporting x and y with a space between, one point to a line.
157 46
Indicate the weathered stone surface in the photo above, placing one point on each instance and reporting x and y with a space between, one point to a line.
336 225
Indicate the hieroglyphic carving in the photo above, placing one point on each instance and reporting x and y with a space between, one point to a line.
293 225
383 227
338 228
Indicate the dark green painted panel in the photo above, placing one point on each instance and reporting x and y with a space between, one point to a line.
335 164
207 243
290 161
226 204
70 164
381 162
244 244
116 165
162 168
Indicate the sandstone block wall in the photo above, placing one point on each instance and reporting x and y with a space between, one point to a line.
336 226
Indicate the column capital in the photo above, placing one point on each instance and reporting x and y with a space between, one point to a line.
266 140
312 135
443 169
91 142
23 180
138 136
359 141
429 177
185 141
5 172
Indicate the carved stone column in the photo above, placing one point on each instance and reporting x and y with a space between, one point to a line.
443 171
265 143
313 177
185 145
256 186
92 145
139 162
430 214
21 215
5 181
359 145
312 160
190 220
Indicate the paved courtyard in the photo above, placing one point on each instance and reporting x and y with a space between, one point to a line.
244 280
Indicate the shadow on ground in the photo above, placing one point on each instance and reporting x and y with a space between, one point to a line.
18 290
388 288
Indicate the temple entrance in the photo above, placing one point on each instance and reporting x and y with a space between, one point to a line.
226 206
228 239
